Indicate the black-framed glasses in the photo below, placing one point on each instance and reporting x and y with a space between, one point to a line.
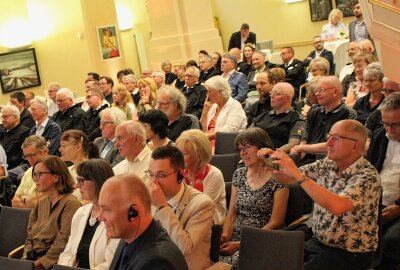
337 137
39 175
158 175
390 125
245 147
30 155
81 180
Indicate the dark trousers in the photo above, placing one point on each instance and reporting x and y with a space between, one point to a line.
391 246
319 256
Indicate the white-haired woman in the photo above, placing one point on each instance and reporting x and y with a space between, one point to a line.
335 29
221 113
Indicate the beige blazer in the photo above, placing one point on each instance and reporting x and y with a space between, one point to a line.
101 250
190 227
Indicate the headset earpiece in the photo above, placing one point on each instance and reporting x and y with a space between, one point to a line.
132 213
180 177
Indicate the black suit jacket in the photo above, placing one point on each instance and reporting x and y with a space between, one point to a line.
328 55
153 249
210 73
25 119
377 148
235 41
113 157
295 74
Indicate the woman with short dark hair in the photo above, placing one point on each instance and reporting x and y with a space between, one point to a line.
50 221
88 246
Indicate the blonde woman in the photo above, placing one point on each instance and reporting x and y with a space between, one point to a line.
335 29
198 173
148 96
123 100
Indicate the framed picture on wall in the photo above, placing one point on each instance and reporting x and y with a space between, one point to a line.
319 9
346 6
19 70
108 42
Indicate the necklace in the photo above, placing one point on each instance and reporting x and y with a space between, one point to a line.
92 220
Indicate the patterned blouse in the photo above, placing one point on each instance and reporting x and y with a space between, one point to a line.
355 231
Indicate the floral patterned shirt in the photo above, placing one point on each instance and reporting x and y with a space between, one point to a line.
355 231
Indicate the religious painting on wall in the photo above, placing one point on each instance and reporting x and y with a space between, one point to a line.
19 70
320 9
108 42
346 6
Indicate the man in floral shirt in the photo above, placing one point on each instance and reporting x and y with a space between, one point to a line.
346 189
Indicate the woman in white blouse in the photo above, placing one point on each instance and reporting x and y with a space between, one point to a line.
335 29
221 113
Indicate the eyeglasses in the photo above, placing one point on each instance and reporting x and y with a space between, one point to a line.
81 180
243 147
5 116
336 137
103 123
390 125
30 155
158 175
89 96
322 90
163 103
370 81
61 100
38 175
388 91
189 76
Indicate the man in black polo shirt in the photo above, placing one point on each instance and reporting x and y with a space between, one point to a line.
283 125
194 92
265 81
69 114
321 119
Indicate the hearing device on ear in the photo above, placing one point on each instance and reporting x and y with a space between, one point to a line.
132 213
180 177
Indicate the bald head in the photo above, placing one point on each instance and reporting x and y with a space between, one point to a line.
390 86
236 52
284 88
356 130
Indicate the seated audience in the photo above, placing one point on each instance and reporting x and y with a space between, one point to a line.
126 212
244 36
294 69
155 123
383 154
221 113
69 114
50 220
194 92
318 67
259 65
352 84
257 200
106 86
45 127
283 125
374 121
90 122
131 143
12 135
320 52
335 29
110 118
123 101
207 69
217 58
237 81
26 196
373 83
244 65
264 83
179 70
352 48
170 77
148 96
172 102
184 212
345 214
18 100
159 78
321 119
76 148
51 93
130 82
198 173
88 245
